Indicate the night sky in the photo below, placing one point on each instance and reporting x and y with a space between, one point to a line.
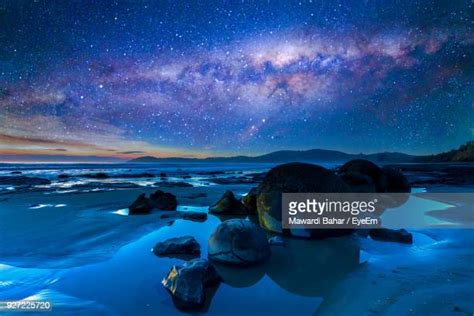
182 78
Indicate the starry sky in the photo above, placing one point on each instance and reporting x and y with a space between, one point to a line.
218 78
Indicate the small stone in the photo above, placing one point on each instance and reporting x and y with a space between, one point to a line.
187 283
228 204
163 201
186 245
140 206
195 216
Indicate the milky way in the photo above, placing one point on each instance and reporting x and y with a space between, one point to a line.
121 79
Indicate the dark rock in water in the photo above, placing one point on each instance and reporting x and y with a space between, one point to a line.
178 184
364 176
135 175
163 201
195 216
105 185
238 242
385 234
141 206
426 175
16 172
63 176
232 180
160 200
210 172
362 232
22 180
357 167
250 201
99 175
276 241
257 177
228 204
102 175
187 283
396 182
163 175
186 245
358 182
295 178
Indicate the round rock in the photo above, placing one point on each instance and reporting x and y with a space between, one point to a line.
396 182
238 242
362 167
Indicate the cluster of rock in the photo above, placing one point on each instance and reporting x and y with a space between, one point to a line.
23 180
241 243
359 176
234 242
158 200
354 176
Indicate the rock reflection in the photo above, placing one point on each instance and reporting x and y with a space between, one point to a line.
303 267
241 277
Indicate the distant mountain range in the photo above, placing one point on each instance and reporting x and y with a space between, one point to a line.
465 153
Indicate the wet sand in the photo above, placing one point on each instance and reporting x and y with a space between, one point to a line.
78 250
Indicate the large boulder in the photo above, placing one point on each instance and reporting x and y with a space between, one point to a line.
140 206
186 245
238 242
163 201
295 178
187 283
228 205
365 176
353 171
395 181
358 182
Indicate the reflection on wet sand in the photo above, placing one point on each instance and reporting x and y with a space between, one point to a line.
303 267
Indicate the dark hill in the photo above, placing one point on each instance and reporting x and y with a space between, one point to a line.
312 155
465 153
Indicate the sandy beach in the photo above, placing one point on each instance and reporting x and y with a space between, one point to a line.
80 250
